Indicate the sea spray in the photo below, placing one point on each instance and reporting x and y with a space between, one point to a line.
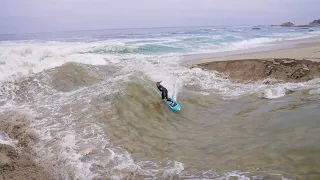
177 88
5 139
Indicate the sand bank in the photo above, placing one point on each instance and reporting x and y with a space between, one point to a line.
297 64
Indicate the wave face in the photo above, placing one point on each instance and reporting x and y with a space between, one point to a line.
89 108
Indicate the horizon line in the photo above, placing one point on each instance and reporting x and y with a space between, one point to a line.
159 27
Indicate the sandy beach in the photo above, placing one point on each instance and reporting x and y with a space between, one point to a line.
296 64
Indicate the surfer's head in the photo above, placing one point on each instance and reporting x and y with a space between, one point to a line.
158 83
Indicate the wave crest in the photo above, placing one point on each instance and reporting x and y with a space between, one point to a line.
137 49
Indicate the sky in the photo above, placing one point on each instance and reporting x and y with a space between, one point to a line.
23 16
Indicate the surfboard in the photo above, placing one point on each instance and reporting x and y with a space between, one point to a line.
176 106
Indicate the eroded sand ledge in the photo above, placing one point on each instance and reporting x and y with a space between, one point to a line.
279 70
298 64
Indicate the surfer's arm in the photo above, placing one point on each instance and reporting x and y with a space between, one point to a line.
160 88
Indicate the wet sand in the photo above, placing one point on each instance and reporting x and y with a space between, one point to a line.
297 64
16 161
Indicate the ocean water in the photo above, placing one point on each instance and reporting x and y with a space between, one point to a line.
88 107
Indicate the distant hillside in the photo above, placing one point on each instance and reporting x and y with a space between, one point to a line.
311 24
315 23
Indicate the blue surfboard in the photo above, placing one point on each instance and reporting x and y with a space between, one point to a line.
176 106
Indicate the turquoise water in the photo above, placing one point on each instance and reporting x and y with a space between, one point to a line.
172 40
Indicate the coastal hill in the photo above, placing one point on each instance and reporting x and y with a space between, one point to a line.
315 23
311 24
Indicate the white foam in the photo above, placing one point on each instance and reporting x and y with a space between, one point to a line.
237 174
5 139
177 89
175 170
273 93
250 43
314 91
169 170
24 58
73 143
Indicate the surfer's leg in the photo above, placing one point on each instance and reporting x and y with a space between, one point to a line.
165 93
164 96
172 102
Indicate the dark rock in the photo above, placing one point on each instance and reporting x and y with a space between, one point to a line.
287 24
256 28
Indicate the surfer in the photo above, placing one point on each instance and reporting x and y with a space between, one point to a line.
164 93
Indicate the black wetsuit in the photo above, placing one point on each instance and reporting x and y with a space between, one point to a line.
164 92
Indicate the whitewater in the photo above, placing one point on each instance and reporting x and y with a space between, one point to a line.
89 104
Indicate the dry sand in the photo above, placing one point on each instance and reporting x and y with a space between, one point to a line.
297 64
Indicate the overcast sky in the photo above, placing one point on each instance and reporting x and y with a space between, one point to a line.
17 16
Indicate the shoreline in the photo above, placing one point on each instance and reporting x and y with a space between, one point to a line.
294 49
299 63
